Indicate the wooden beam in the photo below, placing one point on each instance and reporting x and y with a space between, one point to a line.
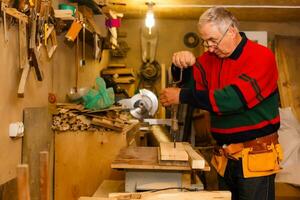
44 176
143 158
195 159
125 79
120 71
107 124
23 51
116 65
203 195
163 86
50 40
21 88
16 14
23 182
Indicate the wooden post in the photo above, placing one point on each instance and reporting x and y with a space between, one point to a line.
44 176
163 86
23 182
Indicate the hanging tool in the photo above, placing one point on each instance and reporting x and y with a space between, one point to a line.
82 62
3 8
174 111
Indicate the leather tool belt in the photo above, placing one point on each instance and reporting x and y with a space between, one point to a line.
260 156
257 145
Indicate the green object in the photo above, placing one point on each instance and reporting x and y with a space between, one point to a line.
100 97
64 6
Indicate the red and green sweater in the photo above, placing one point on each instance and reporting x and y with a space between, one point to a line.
240 92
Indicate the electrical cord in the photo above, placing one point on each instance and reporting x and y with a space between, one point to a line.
172 188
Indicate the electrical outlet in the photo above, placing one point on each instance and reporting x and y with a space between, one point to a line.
16 129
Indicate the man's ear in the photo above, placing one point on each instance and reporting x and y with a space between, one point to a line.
232 31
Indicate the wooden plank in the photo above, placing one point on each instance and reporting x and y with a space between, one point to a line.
82 161
171 162
142 158
117 65
23 182
22 84
125 79
16 14
163 82
64 14
109 186
195 159
168 152
120 71
107 124
44 176
38 136
203 195
23 51
51 41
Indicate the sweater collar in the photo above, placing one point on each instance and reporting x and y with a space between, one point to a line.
239 49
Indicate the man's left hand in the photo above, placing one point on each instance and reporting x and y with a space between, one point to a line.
169 96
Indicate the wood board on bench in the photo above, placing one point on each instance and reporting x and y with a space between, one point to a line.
147 158
163 195
183 153
142 158
168 152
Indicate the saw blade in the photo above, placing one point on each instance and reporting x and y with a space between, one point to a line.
142 105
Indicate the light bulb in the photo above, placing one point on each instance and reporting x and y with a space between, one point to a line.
150 21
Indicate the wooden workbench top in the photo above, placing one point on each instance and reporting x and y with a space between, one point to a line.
145 158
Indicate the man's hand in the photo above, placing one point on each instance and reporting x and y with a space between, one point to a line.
169 96
183 59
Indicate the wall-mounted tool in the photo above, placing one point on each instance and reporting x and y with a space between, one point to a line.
74 30
113 24
191 40
3 8
82 61
50 40
32 53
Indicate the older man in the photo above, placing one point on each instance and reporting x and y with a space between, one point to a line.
236 81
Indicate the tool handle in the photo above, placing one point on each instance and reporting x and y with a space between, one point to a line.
174 84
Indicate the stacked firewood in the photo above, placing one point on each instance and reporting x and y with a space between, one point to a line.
70 117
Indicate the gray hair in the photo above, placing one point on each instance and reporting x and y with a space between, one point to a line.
220 17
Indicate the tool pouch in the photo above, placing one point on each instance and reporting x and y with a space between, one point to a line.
219 162
261 160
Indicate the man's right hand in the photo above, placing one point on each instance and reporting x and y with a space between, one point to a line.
183 59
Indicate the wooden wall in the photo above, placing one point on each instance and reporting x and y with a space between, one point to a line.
287 54
59 77
11 107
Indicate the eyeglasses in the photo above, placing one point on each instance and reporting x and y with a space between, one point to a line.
215 44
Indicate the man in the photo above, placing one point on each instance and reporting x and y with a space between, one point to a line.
236 81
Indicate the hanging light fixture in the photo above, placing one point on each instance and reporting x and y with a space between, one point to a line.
150 21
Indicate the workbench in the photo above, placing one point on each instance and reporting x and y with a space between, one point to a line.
83 158
144 170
